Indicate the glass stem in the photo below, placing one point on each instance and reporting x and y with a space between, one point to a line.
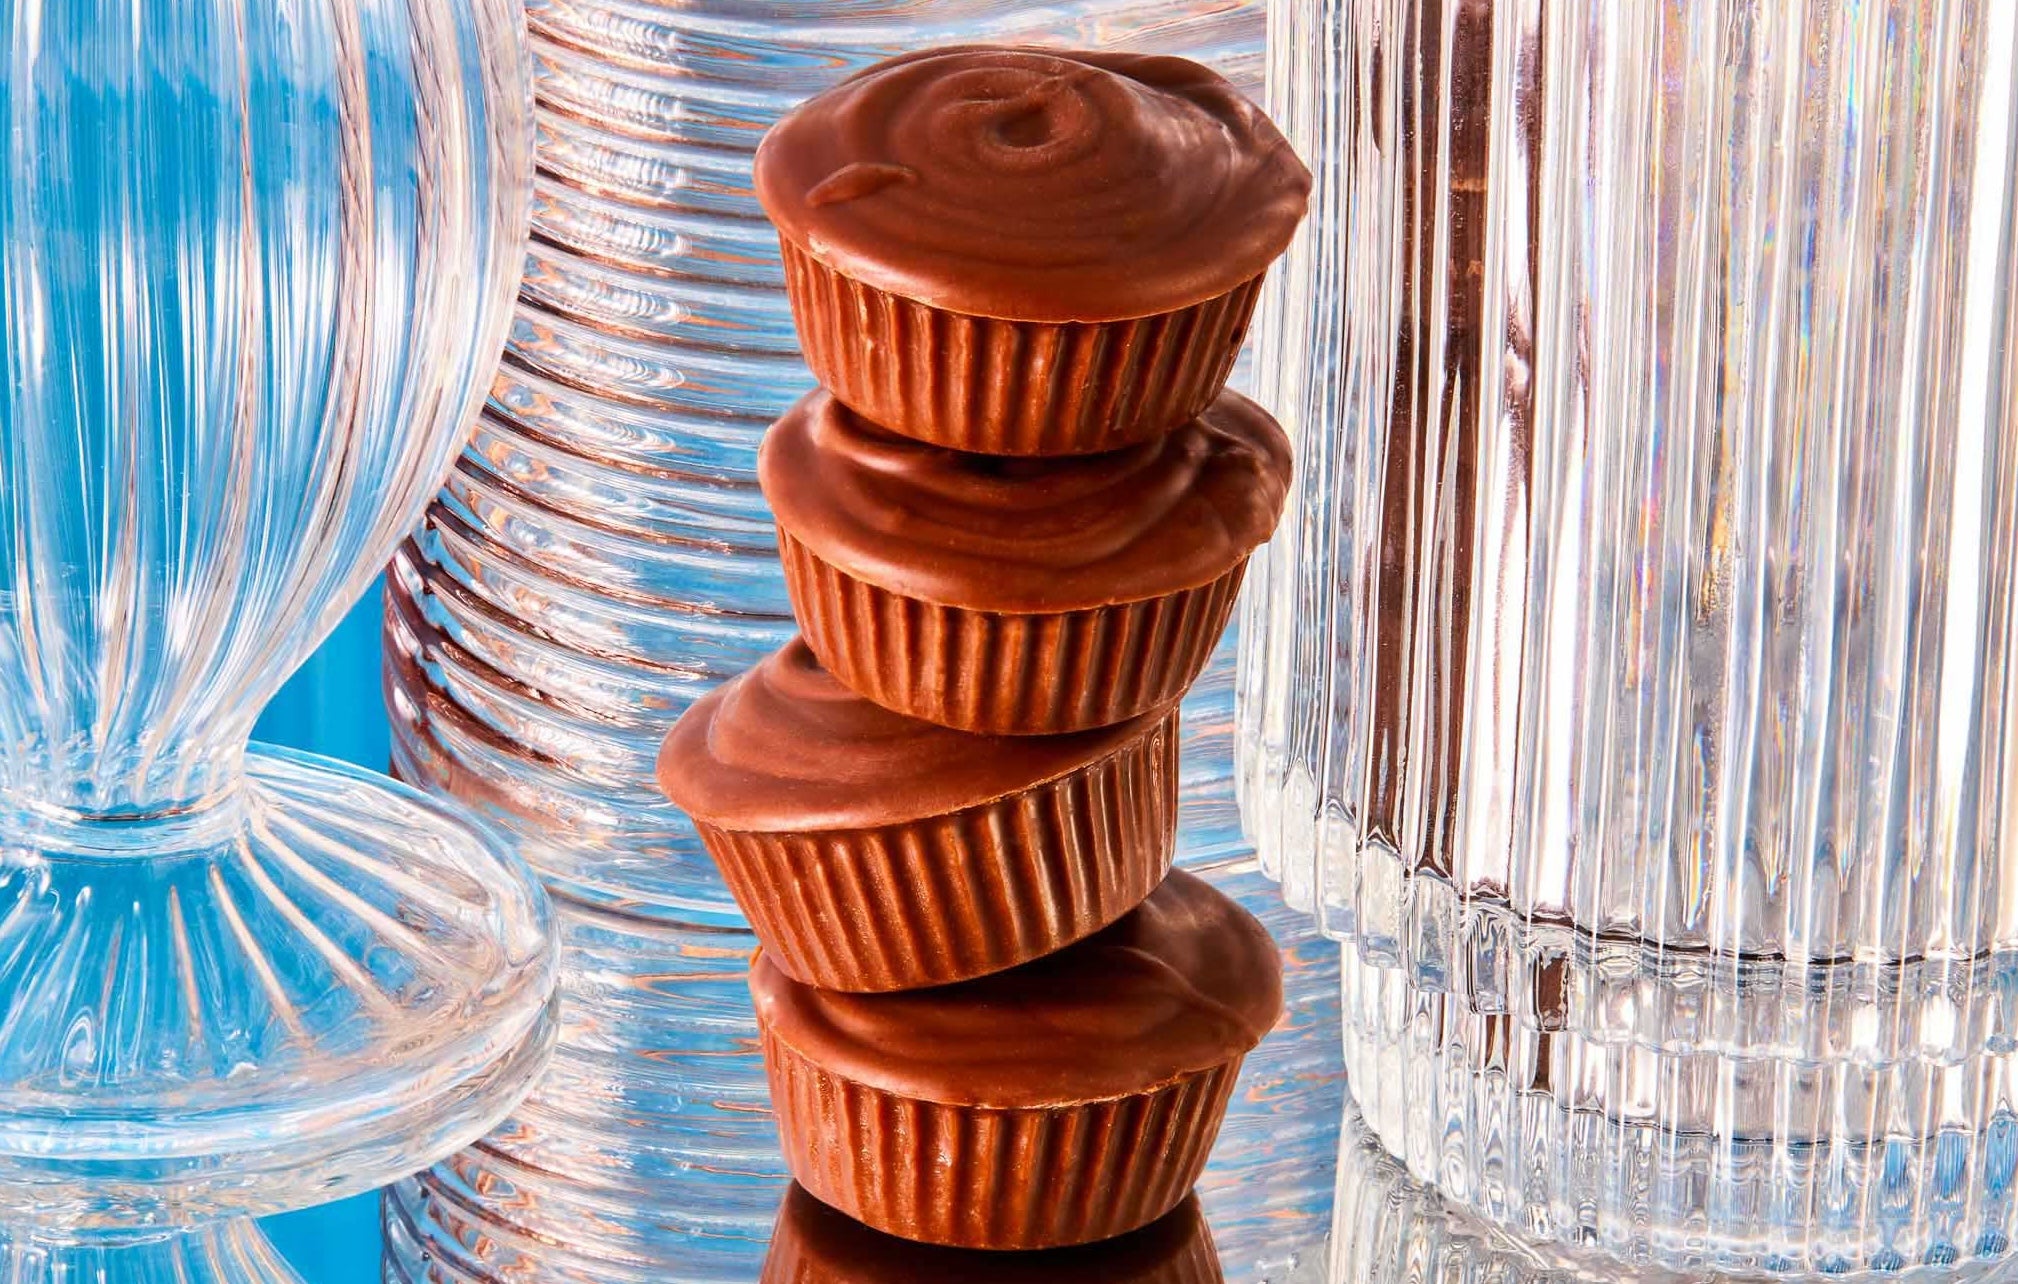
201 826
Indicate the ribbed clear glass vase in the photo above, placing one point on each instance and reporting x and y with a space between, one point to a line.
1631 687
602 556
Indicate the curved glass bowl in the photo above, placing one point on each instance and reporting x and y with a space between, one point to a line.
258 263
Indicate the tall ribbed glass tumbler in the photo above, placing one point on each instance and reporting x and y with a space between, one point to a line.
1631 688
601 557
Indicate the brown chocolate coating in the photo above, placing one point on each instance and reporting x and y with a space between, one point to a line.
1184 983
1036 536
784 748
1034 185
813 1244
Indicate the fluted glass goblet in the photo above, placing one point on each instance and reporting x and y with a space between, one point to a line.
257 265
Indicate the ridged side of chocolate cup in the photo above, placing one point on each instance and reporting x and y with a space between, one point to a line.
1006 674
903 907
998 387
969 1177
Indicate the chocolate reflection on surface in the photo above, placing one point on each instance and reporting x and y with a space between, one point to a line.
813 1244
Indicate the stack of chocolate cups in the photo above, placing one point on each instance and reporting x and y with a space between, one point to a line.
1014 521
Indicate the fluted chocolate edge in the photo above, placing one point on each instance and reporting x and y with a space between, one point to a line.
951 897
970 1177
1011 387
1000 673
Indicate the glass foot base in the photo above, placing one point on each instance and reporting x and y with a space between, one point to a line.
1695 1162
1389 1227
328 984
233 1252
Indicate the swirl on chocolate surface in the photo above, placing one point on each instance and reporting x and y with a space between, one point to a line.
1184 983
1035 185
785 748
990 533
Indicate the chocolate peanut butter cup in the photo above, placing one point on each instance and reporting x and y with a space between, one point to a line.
872 851
1066 1101
813 1244
1028 252
1019 596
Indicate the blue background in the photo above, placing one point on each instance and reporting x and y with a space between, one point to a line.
333 706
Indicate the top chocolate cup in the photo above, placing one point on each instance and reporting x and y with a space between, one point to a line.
1028 252
1017 597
